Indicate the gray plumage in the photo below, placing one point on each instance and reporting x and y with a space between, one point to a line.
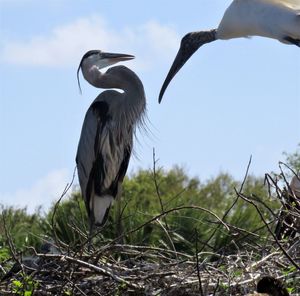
106 140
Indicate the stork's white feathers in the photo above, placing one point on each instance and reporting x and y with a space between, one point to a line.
275 19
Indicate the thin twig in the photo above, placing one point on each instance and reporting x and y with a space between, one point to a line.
197 264
167 229
270 231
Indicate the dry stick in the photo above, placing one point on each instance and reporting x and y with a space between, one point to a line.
2 269
234 202
258 263
105 271
197 264
270 231
155 249
269 180
76 287
10 242
248 233
258 199
81 213
161 215
67 187
175 196
216 287
284 164
167 230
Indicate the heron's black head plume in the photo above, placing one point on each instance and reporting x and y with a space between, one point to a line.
86 55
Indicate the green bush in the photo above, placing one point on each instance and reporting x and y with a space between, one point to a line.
142 200
146 196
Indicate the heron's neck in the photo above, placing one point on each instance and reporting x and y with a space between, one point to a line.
133 97
131 103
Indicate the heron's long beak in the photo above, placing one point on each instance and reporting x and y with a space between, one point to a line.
105 59
190 43
116 57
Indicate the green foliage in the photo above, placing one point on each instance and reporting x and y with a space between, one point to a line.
24 229
142 200
69 219
146 196
25 287
4 253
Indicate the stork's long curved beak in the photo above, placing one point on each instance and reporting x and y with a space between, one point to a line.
181 58
190 43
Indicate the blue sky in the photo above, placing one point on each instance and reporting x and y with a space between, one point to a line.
231 100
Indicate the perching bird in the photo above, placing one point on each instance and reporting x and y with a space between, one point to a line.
288 224
277 19
108 129
269 286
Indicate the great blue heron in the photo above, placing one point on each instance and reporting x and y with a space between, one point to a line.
106 139
277 19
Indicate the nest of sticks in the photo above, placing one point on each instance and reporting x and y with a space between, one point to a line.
122 269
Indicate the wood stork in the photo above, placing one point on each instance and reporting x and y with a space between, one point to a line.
277 19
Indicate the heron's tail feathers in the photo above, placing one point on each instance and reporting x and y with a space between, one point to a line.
100 206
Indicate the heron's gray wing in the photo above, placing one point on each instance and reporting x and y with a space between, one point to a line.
103 155
116 184
88 147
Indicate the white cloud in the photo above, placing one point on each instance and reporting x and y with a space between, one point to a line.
65 45
43 192
163 39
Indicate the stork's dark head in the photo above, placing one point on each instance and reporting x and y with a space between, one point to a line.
190 43
101 60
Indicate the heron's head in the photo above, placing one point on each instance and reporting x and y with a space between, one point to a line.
100 59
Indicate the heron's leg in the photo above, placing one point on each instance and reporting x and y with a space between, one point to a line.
90 236
118 219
